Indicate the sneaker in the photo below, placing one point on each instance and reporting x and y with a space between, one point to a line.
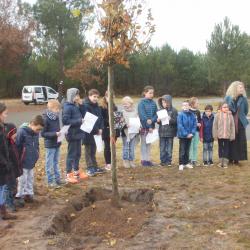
99 170
181 167
211 163
53 186
108 167
82 175
28 198
91 171
169 165
205 163
189 165
151 164
71 179
60 182
19 202
126 164
144 164
163 164
132 164
11 207
225 166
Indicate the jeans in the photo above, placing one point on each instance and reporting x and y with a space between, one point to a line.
10 192
166 149
145 149
128 150
90 152
184 147
208 151
223 148
52 165
73 156
107 150
25 183
193 152
2 194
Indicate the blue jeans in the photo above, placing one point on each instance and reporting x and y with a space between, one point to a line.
145 149
10 192
74 155
184 147
52 165
208 151
166 149
128 151
2 195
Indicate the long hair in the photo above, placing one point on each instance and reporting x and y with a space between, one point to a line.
103 102
232 89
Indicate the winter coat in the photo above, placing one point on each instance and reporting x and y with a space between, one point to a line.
171 129
94 109
223 127
197 114
27 142
240 104
51 127
72 116
5 167
186 124
147 109
206 129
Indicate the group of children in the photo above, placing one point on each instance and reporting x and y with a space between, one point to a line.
19 151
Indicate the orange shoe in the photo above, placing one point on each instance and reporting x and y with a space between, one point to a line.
71 179
80 175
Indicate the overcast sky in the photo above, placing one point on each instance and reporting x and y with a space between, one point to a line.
189 23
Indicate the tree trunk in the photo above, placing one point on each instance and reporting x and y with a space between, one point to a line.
115 198
61 54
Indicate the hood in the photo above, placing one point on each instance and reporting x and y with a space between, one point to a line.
28 130
167 98
71 94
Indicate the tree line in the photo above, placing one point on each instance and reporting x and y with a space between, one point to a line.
46 43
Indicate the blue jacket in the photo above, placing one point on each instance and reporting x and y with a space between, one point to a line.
240 104
94 109
51 126
27 142
186 124
206 130
72 116
147 109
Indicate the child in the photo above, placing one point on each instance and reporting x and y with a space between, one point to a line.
4 164
72 116
50 133
129 140
27 142
167 132
16 170
224 131
91 105
206 135
147 109
193 154
186 129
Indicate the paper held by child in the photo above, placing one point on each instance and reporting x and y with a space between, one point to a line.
152 137
163 116
89 121
63 132
99 143
134 125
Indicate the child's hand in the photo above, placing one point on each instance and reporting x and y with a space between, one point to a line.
198 125
201 139
150 130
100 132
189 135
149 122
58 134
158 120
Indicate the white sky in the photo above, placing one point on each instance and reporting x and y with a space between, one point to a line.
189 23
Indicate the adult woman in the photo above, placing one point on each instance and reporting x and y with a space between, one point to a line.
237 101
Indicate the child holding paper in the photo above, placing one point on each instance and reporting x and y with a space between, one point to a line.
91 105
50 133
167 130
147 109
129 138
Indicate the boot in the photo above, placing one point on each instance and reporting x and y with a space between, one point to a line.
4 215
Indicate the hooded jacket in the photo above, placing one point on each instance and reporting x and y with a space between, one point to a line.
206 129
72 116
27 142
171 129
147 109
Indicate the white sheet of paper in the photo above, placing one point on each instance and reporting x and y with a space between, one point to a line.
99 143
165 121
89 122
163 116
152 137
134 125
63 132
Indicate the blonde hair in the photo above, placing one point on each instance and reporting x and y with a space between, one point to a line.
232 89
192 101
53 104
127 99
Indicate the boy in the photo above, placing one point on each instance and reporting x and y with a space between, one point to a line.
91 105
50 133
167 132
186 128
27 142
72 116
206 135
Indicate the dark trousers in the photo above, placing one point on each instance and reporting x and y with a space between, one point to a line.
224 148
107 150
166 149
73 155
184 146
90 152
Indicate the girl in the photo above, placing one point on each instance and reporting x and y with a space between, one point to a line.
129 140
4 164
147 109
224 131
